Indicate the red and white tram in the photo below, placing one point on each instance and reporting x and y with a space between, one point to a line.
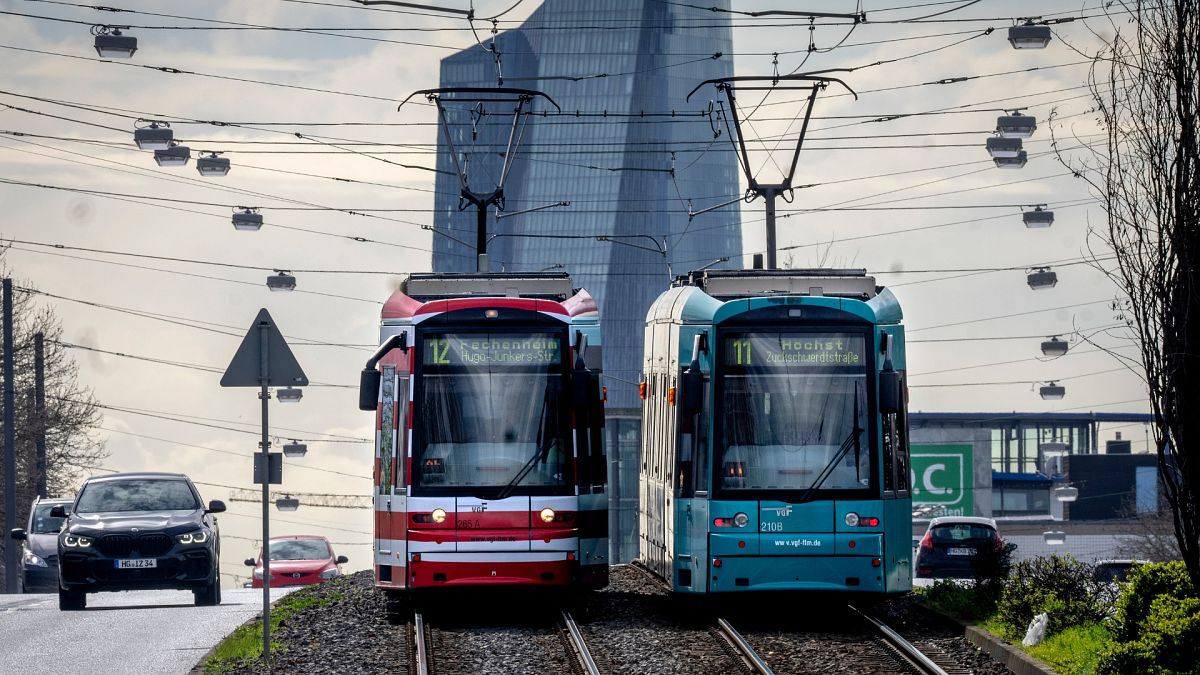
489 453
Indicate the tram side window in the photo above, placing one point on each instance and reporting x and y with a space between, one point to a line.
903 472
691 467
647 425
660 398
889 453
398 477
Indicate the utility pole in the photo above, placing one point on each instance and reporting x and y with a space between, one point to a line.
10 446
39 410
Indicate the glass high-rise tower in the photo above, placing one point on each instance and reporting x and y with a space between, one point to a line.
630 172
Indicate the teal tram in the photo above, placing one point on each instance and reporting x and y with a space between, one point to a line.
774 435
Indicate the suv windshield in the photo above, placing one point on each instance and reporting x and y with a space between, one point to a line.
489 412
793 406
299 549
43 523
137 494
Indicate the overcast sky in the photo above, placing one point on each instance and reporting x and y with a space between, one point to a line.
943 164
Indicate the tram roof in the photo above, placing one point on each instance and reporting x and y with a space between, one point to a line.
425 287
831 282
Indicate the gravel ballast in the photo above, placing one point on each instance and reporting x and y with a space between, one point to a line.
633 627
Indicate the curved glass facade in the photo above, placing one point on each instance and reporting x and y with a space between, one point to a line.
627 177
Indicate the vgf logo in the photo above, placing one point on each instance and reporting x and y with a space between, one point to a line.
938 478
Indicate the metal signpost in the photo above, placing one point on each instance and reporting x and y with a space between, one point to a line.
265 360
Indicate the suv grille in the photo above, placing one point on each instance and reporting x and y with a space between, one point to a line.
123 545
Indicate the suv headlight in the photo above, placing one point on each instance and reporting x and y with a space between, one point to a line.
330 573
31 558
197 537
258 574
75 541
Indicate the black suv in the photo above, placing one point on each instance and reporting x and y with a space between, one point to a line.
130 531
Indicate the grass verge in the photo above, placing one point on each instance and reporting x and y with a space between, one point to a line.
245 642
1074 651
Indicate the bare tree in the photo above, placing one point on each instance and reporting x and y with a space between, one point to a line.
1146 176
70 417
1153 536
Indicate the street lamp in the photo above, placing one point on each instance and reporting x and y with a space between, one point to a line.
111 44
1038 217
1054 538
289 395
1052 391
1042 277
295 448
157 136
281 281
248 219
1016 125
174 155
1015 162
1054 347
1053 448
999 146
287 503
1029 36
212 165
1066 494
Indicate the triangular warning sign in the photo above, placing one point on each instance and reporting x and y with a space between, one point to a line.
245 370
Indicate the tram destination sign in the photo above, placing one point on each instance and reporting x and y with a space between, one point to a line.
787 350
491 349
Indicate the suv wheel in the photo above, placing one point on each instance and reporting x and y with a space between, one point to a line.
211 594
71 601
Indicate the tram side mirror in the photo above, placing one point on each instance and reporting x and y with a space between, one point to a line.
368 388
370 379
581 380
693 391
889 392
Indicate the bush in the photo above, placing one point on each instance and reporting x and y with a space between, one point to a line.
1062 587
961 601
1168 645
991 569
1146 583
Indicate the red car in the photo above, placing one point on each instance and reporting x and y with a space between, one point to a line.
298 560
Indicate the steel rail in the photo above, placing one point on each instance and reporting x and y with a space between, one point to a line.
422 656
904 647
581 649
751 657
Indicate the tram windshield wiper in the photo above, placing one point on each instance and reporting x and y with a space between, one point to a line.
851 441
540 452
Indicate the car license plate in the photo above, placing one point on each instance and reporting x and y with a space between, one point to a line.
138 564
960 551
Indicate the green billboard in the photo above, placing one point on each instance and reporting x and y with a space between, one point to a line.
943 478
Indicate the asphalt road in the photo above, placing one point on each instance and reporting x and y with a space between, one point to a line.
144 632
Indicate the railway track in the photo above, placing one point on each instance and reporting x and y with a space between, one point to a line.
895 652
578 656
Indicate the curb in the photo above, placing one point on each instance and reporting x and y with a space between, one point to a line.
1003 652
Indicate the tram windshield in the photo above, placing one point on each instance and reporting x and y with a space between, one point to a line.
793 413
490 415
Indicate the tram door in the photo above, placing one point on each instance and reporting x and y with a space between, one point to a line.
390 509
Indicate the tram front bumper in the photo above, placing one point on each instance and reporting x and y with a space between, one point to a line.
735 574
555 568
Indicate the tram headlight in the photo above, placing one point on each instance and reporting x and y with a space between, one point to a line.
741 520
547 515
852 519
438 515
